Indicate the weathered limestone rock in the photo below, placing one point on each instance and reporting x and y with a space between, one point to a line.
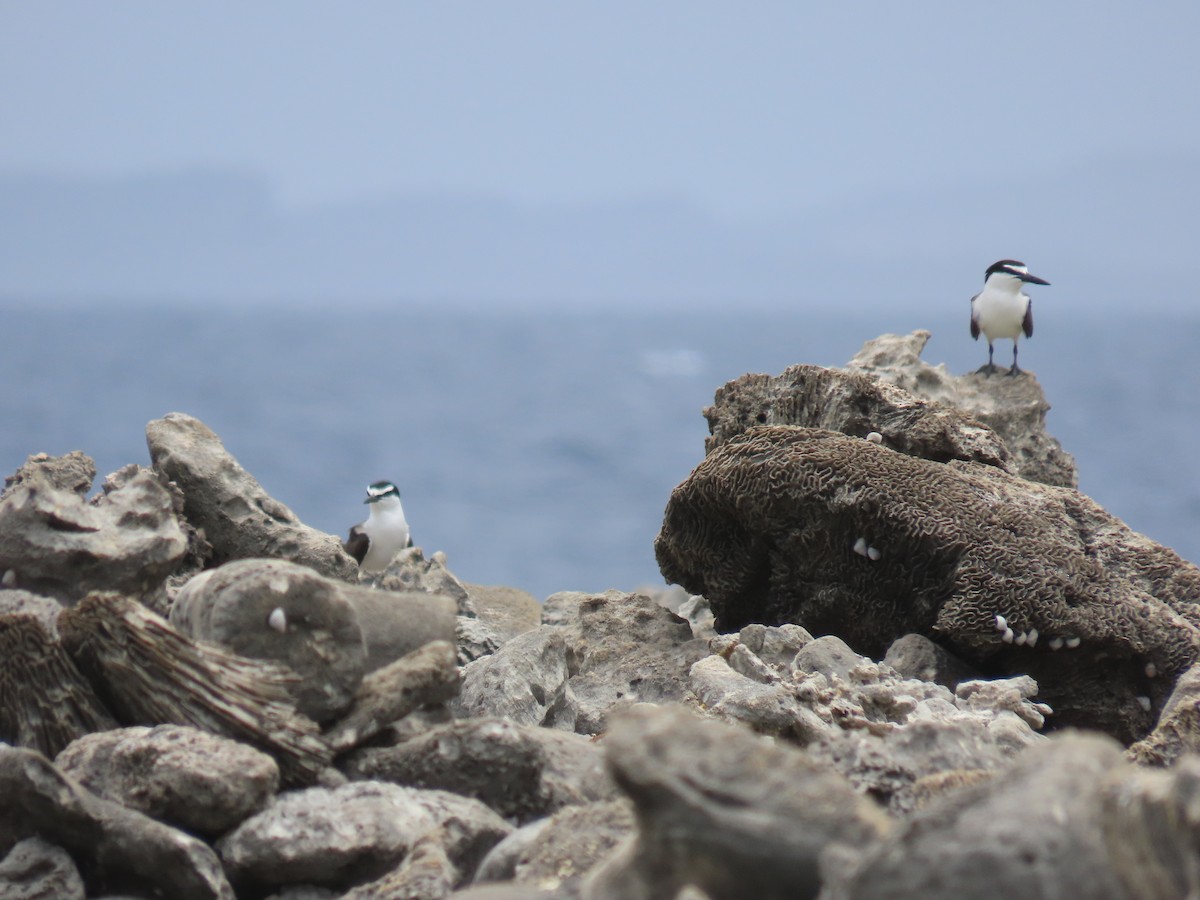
426 676
916 656
525 681
555 853
45 701
149 673
845 537
622 649
1015 408
855 404
73 472
278 610
509 611
238 517
123 849
519 771
1178 728
729 812
58 544
395 623
37 870
200 782
1034 831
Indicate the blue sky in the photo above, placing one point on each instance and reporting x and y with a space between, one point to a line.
751 144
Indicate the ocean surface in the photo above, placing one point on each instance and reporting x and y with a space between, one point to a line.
539 449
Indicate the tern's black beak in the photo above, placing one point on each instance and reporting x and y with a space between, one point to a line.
370 500
1033 279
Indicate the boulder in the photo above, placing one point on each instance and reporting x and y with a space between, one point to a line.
719 808
395 623
73 472
37 870
846 537
238 518
123 850
1014 408
202 783
57 544
521 772
524 681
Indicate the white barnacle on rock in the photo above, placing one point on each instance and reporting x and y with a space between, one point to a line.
1144 702
1020 639
278 585
875 437
1007 637
860 546
873 554
1001 622
1032 638
1151 670
278 620
1056 643
9 578
1072 642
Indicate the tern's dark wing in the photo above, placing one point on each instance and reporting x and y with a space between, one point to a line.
357 544
1027 325
974 319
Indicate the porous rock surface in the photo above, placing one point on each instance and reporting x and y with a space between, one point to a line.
239 519
778 525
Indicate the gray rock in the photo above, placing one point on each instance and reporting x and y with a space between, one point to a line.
37 870
521 772
509 611
766 528
1015 408
1177 731
775 645
554 854
622 649
1031 832
828 655
476 639
316 631
769 708
424 677
332 838
239 519
45 701
123 849
719 808
73 472
395 623
200 782
59 545
916 656
525 681
425 874
411 571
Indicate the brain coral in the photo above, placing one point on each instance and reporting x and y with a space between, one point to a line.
844 536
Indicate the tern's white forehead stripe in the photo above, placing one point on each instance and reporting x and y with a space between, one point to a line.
380 488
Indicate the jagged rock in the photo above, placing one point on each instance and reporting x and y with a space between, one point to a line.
426 873
120 848
316 631
58 544
200 782
239 519
73 472
521 772
1015 408
1151 827
828 655
855 404
37 870
356 834
149 673
1178 728
721 809
426 676
768 528
774 645
1033 831
476 639
509 611
45 701
887 734
916 656
555 853
411 571
622 649
524 681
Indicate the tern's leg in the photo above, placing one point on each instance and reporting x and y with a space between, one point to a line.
1014 370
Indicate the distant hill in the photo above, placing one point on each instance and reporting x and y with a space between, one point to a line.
1103 233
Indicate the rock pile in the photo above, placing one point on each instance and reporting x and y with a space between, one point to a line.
199 697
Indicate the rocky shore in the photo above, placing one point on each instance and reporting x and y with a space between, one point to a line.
900 656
